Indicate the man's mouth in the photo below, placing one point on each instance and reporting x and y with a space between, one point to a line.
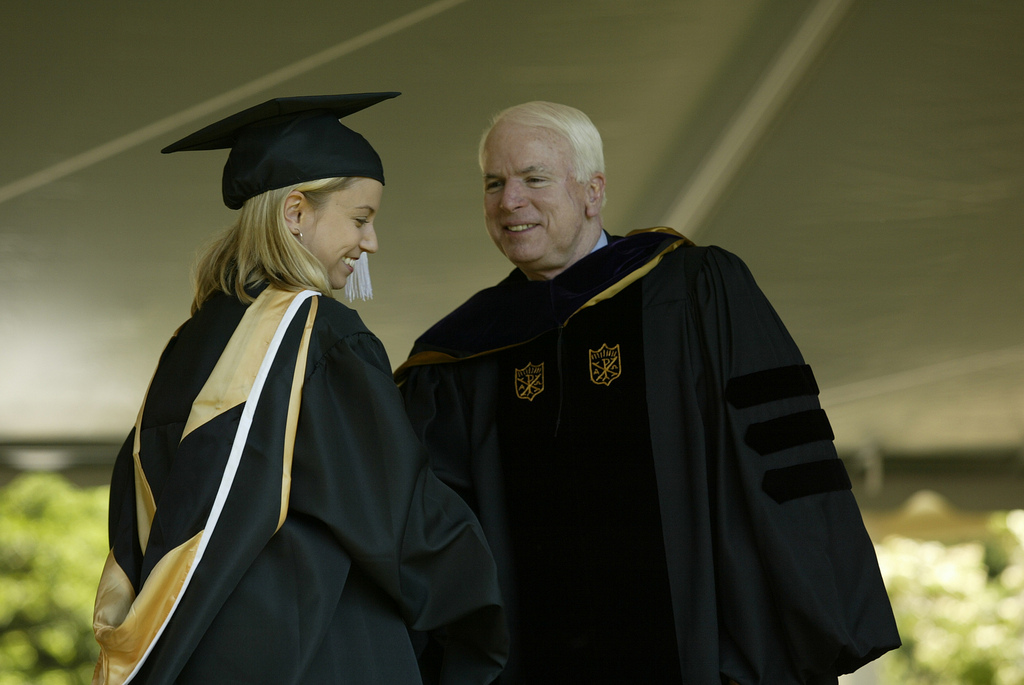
519 228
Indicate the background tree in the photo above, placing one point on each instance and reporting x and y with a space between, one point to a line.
959 607
53 542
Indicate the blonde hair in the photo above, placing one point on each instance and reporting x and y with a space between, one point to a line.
259 247
585 149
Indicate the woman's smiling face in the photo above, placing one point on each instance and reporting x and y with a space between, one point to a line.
342 229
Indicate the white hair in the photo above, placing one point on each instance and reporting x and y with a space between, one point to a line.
586 154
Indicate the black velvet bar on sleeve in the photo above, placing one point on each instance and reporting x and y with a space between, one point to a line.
788 431
800 480
770 385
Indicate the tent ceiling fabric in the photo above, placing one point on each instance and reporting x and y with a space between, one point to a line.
878 199
883 214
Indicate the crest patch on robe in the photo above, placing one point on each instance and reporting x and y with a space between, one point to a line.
530 381
605 364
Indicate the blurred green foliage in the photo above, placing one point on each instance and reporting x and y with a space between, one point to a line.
959 607
53 542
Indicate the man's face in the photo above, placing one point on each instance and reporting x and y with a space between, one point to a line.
537 213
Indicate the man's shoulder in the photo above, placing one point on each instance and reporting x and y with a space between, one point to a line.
674 264
679 268
690 260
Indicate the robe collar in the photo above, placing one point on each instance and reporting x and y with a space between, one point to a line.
517 310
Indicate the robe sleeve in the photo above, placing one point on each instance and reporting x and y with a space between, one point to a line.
434 404
414 537
795 569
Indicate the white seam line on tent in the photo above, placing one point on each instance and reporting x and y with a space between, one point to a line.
699 196
231 97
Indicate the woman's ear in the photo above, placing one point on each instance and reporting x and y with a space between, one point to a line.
295 206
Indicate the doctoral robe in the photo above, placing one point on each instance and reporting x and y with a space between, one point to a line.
768 572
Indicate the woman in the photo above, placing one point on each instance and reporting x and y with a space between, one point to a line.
272 517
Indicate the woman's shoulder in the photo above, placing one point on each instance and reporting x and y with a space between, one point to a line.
340 330
335 316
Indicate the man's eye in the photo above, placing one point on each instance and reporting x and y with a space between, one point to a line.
362 221
492 185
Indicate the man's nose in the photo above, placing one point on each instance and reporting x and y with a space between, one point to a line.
512 196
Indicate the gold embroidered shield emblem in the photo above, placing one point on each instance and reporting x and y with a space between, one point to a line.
530 381
605 364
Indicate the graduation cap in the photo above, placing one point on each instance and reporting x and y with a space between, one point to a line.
286 141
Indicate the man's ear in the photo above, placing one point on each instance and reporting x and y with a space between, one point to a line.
595 195
295 206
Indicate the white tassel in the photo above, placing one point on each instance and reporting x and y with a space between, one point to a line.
357 286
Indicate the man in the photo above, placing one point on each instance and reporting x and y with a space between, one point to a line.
643 444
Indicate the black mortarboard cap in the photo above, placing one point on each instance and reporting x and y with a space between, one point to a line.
288 140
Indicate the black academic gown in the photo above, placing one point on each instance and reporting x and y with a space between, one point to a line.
331 534
773 579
